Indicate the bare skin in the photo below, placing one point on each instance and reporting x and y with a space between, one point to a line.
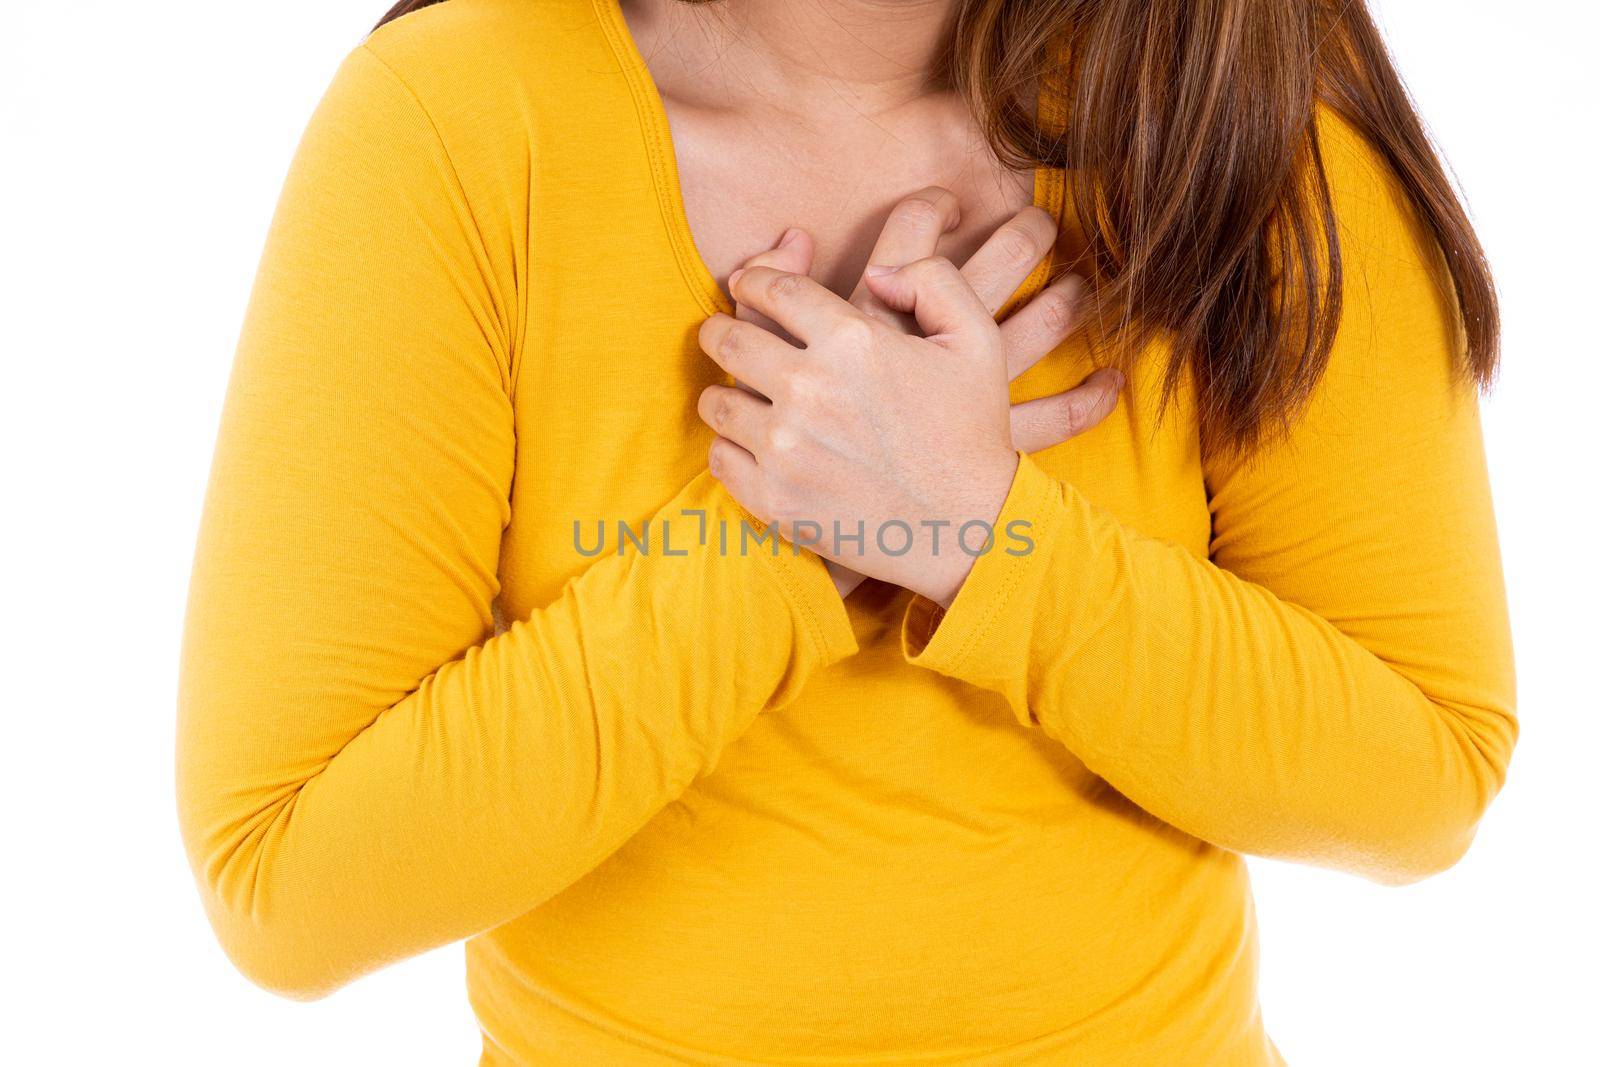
815 114
815 156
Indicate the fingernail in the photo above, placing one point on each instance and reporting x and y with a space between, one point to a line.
733 279
878 270
788 237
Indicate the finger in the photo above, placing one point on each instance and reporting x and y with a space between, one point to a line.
797 303
1035 329
1048 421
935 293
1009 256
793 253
736 415
739 473
911 233
746 351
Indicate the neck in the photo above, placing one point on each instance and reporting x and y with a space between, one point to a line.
864 56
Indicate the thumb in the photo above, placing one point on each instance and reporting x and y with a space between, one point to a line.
792 254
934 292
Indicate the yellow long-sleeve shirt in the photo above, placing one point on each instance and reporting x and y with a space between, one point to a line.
688 805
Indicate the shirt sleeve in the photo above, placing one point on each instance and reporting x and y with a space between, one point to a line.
364 770
1334 684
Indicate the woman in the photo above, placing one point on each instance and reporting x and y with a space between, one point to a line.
694 801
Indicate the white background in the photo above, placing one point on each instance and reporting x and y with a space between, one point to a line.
141 151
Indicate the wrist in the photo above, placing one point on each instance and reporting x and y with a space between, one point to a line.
984 496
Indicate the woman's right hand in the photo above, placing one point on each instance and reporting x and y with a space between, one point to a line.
994 273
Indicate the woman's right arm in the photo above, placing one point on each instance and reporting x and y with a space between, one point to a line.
363 772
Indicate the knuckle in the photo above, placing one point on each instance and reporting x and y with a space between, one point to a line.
803 388
783 440
786 287
717 459
1073 415
855 333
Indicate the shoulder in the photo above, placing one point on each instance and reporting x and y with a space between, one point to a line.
493 62
1378 222
1393 267
477 40
1399 331
499 91
1350 158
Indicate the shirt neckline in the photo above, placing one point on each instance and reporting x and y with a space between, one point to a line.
1048 182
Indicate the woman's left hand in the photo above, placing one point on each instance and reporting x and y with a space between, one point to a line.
866 430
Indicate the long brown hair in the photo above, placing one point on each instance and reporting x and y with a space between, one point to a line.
1198 183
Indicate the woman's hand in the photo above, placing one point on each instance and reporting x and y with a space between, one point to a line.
889 452
995 272
912 232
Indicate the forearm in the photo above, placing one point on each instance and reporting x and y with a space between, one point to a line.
1222 709
506 775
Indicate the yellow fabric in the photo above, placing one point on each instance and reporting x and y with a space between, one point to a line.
688 806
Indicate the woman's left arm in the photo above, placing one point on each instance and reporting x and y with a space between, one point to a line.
1334 684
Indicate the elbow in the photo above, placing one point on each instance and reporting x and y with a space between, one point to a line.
1409 861
287 959
277 965
261 870
281 935
1429 832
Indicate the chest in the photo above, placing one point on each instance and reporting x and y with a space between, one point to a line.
741 188
606 433
620 275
